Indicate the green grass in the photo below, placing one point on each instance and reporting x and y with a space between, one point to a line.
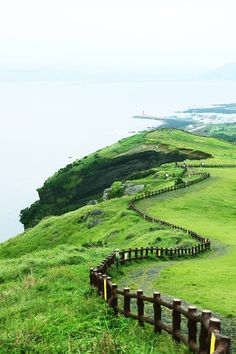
208 208
109 224
77 183
47 305
226 131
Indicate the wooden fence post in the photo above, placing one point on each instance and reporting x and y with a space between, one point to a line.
114 299
117 257
126 302
214 325
176 319
140 304
223 344
91 277
122 257
192 325
108 288
99 282
157 311
129 254
203 338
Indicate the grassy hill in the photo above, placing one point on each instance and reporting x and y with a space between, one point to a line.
47 305
226 131
84 180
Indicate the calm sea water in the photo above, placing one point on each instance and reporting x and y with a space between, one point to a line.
42 124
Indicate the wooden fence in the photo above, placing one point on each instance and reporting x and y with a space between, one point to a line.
203 331
204 242
203 165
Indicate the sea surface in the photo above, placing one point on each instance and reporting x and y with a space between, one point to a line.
46 125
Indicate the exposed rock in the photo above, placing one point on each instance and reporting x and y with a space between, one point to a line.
132 189
88 179
106 192
92 202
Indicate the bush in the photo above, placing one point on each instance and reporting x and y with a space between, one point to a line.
179 181
117 190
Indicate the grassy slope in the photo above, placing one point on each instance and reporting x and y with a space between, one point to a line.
221 151
84 180
209 282
225 131
46 305
110 223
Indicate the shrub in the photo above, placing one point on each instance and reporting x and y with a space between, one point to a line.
116 190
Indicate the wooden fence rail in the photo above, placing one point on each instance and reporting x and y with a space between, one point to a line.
204 242
203 165
203 330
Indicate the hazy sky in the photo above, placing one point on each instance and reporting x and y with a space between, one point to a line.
117 34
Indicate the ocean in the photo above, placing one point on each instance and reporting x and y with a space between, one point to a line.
46 125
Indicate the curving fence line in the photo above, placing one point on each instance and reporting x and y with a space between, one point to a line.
202 331
203 165
204 242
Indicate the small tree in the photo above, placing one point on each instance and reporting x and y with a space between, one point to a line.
117 190
179 181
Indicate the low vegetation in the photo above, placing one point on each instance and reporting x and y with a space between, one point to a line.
47 305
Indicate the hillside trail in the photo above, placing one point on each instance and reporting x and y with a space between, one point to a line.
143 277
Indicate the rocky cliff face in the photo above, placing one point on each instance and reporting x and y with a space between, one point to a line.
77 184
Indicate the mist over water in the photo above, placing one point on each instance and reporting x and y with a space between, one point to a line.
42 124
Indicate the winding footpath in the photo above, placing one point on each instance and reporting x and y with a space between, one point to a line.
206 340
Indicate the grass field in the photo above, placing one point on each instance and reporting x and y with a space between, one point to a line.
47 305
209 209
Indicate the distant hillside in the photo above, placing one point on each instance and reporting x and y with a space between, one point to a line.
226 131
226 72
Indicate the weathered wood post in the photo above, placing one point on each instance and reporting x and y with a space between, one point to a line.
122 257
151 249
91 277
114 299
141 252
214 325
146 255
203 337
99 283
176 319
192 325
140 304
129 254
117 258
126 302
108 288
95 275
136 253
157 311
223 344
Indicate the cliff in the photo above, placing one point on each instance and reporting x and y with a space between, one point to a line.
78 183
